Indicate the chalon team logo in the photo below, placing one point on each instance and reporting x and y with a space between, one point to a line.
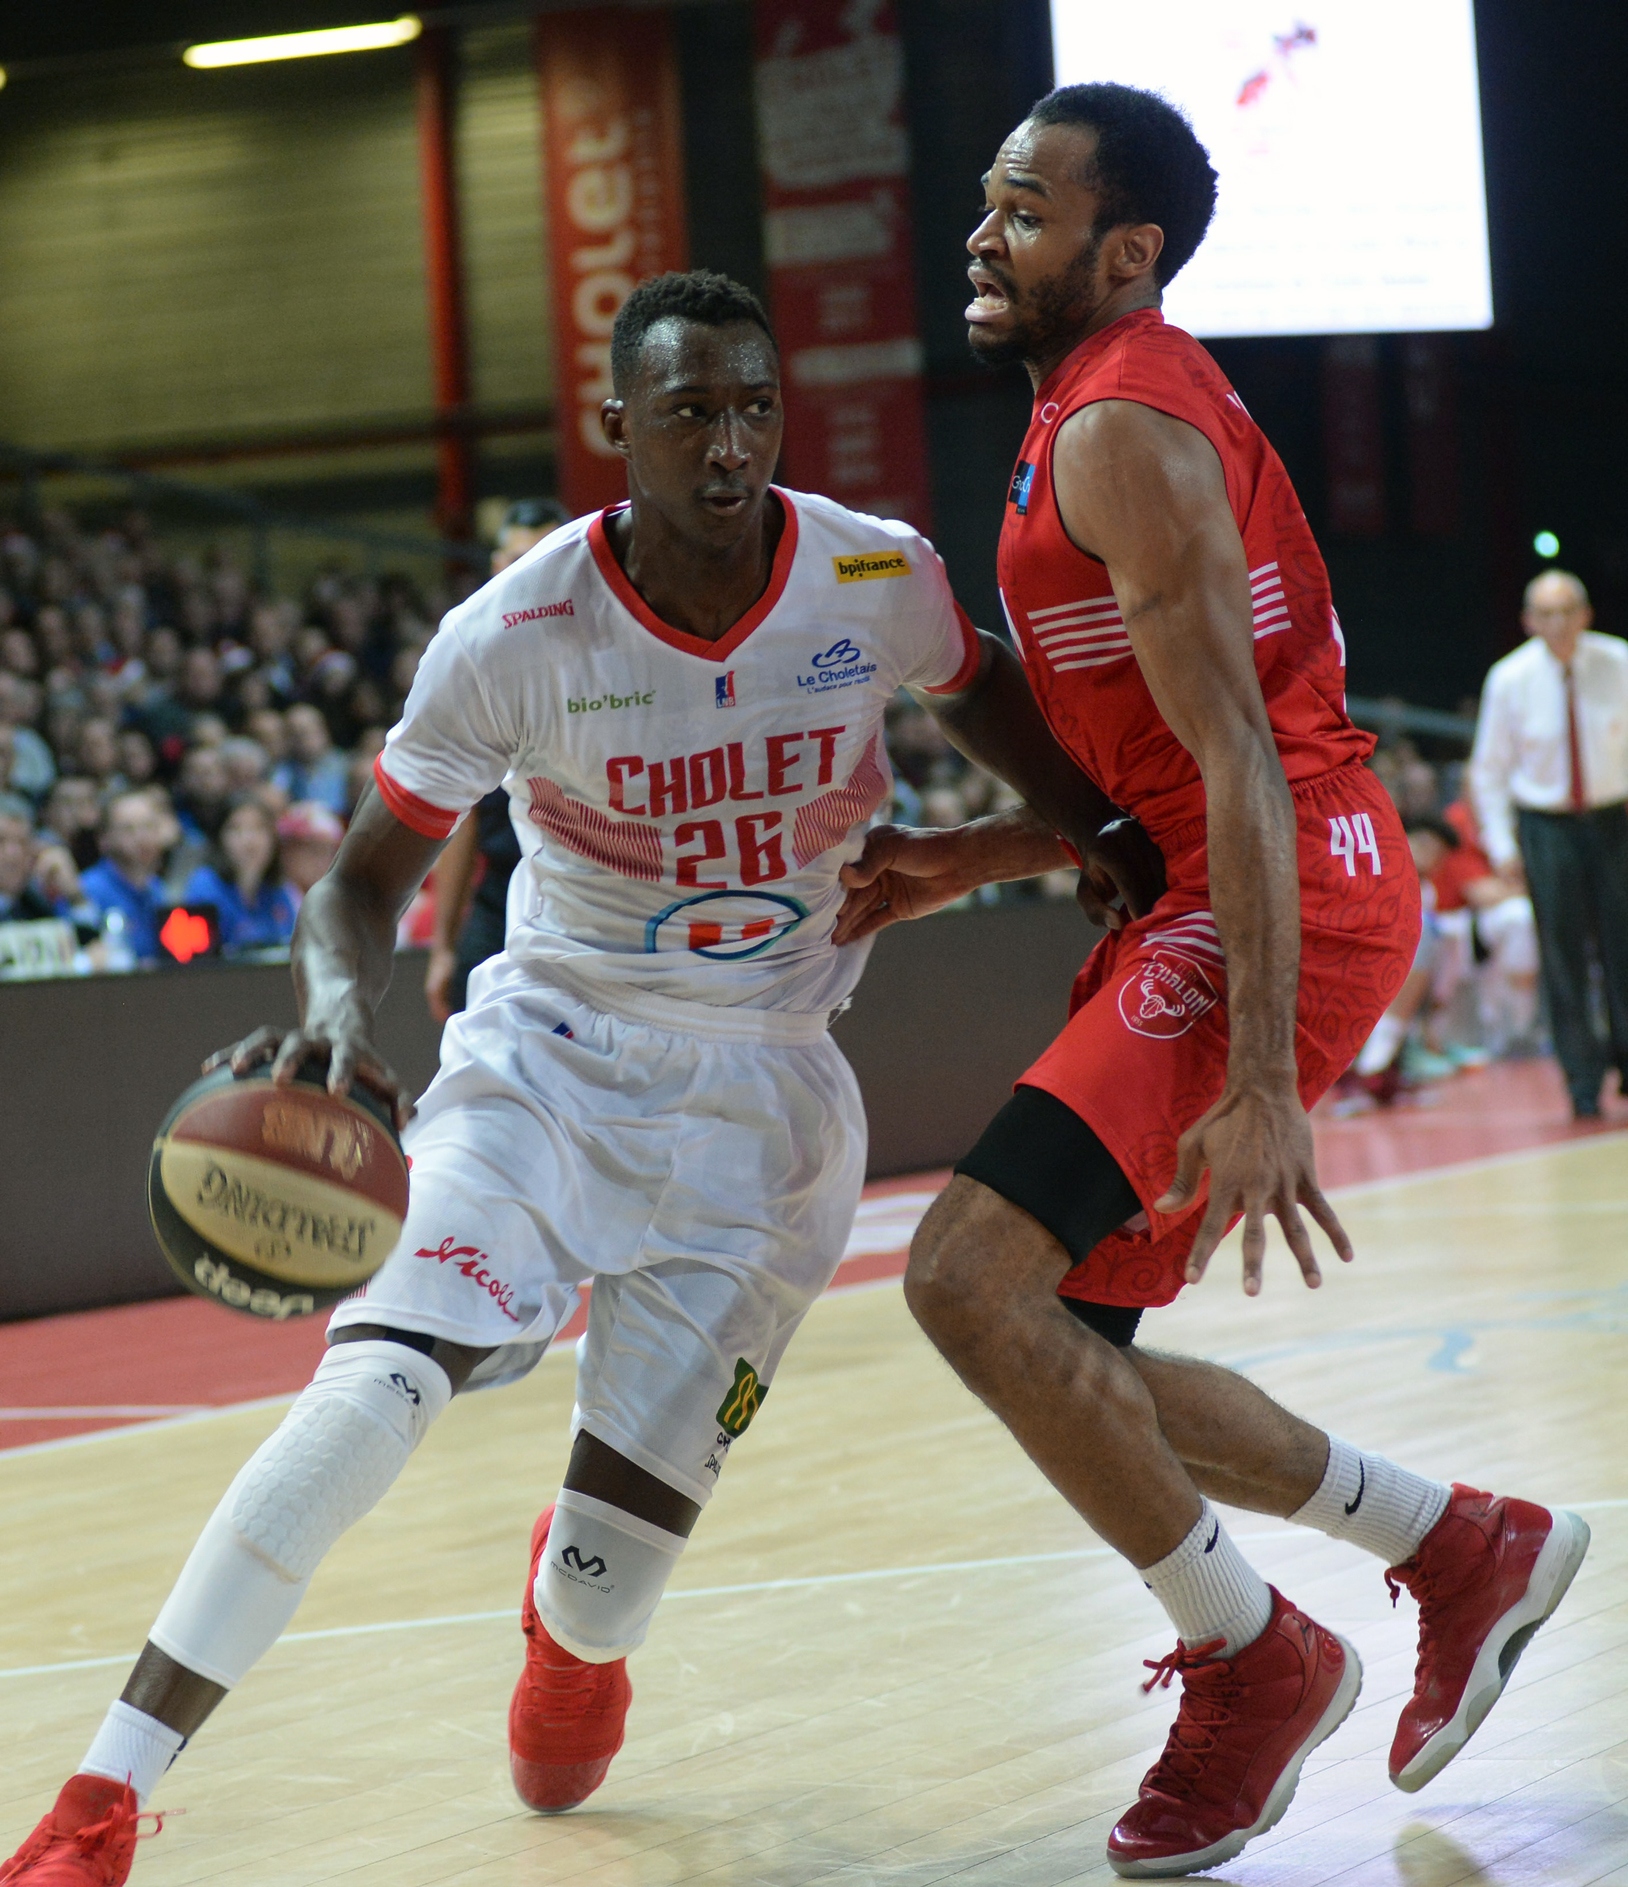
724 925
1165 995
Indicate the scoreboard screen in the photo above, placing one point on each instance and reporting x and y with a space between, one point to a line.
1347 138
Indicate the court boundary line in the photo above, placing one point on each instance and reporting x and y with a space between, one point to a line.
1356 1189
811 1581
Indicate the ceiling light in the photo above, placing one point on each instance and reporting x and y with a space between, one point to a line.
250 52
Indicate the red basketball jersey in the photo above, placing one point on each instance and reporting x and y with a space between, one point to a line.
1060 605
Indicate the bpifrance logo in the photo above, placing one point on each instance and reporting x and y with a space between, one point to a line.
723 690
1165 995
871 565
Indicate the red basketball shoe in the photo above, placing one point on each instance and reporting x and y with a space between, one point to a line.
1233 1759
567 1717
87 1840
1486 1576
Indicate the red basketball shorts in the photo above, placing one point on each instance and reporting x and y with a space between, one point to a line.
1144 1054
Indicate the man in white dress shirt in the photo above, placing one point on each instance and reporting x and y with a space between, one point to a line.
1549 776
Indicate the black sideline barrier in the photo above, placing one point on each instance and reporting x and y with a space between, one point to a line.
950 1010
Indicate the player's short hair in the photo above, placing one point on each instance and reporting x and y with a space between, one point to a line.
702 295
534 514
1149 165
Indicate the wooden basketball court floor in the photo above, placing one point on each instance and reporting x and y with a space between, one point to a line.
890 1654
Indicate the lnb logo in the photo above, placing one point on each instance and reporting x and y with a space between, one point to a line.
592 704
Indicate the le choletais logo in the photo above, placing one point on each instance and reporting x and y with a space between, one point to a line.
870 565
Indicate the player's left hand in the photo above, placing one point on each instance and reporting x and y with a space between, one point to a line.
1123 874
1256 1143
904 872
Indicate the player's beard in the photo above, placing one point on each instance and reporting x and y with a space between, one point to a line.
1049 319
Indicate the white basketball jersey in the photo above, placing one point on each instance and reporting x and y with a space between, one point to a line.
693 801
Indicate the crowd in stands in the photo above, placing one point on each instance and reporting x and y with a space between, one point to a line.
168 737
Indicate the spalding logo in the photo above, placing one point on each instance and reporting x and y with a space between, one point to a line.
325 1140
1165 996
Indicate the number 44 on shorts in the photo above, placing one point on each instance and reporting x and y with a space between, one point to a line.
1351 837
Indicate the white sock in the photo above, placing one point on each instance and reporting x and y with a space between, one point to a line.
602 1577
1373 1503
132 1747
1210 1590
1379 1051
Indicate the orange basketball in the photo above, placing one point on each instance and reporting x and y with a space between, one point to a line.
276 1201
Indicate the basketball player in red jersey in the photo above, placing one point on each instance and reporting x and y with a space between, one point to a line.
1174 616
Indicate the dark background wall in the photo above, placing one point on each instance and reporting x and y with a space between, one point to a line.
950 1012
99 134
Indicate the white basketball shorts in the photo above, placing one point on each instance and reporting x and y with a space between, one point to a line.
705 1188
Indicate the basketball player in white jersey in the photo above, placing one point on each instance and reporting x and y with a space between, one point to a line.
684 698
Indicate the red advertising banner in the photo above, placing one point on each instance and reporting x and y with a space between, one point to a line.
835 156
613 177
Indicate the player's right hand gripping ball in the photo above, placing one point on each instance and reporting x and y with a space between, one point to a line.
276 1201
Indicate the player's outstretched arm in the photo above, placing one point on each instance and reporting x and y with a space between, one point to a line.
998 724
343 947
906 872
1146 493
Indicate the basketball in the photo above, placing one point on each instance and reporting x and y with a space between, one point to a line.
276 1201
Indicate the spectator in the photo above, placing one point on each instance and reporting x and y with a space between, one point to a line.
272 623
525 524
247 767
314 769
99 755
310 836
57 879
203 686
1549 779
32 768
137 761
73 814
244 882
20 901
268 727
202 794
126 882
17 652
1486 920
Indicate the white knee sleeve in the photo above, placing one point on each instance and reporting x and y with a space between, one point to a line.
601 1576
337 1451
